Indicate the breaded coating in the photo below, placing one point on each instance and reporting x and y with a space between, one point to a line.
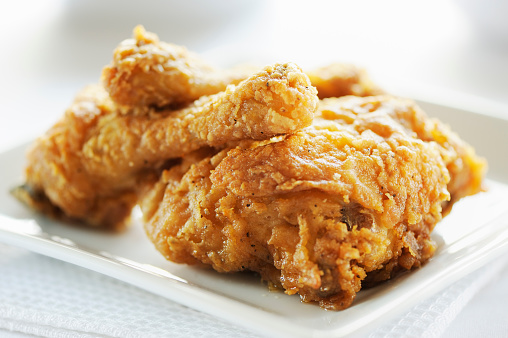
277 100
56 179
342 79
346 202
314 180
466 169
92 163
148 72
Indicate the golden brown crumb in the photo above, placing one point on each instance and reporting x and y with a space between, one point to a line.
148 72
92 163
351 199
342 79
243 170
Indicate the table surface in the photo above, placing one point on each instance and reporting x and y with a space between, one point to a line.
52 49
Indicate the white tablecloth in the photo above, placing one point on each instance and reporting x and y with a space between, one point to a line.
46 297
52 49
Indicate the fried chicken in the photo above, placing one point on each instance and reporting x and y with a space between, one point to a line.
342 79
252 172
348 201
92 163
149 72
465 168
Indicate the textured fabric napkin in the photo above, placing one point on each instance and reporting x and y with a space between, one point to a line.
46 297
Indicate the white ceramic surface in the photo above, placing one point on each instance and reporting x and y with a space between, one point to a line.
475 233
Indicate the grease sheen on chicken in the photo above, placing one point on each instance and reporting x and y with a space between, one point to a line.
94 163
351 199
148 72
240 170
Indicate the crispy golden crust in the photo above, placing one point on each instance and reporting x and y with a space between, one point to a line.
246 175
276 100
148 72
466 169
351 199
57 180
91 163
342 79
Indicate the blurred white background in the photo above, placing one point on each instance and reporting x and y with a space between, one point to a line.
51 49
432 49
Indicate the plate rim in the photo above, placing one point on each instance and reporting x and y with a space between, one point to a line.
303 331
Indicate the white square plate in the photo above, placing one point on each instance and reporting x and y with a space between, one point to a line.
472 235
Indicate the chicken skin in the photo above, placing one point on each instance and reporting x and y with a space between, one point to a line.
466 169
342 79
92 164
348 201
148 72
317 181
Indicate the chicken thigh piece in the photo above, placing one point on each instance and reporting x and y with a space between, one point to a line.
344 203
